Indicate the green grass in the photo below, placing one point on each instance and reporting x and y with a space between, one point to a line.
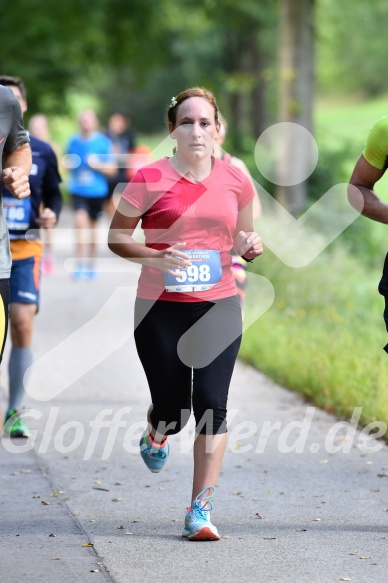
324 334
347 119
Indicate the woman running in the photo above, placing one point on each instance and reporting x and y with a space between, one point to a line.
194 208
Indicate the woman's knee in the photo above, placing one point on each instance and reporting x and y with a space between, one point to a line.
210 421
169 422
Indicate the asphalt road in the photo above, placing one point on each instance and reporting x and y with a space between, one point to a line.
299 498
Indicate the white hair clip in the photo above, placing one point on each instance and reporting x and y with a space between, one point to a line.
173 102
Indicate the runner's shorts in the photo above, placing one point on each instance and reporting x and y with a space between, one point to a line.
92 205
25 280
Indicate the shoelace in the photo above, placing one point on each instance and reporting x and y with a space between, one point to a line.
158 453
200 513
202 503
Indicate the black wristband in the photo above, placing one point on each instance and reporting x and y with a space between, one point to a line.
247 260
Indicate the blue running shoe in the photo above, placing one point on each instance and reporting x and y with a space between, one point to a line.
79 272
153 457
90 273
197 519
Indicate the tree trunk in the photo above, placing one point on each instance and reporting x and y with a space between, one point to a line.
296 96
258 93
236 127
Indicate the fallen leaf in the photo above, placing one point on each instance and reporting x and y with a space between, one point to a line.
56 558
121 527
302 530
102 489
87 544
54 494
45 503
237 493
53 535
382 475
345 579
25 471
116 499
317 519
94 570
224 536
259 515
366 557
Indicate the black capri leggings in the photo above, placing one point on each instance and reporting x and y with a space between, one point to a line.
4 307
188 352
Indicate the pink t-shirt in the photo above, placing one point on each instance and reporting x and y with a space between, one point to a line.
203 215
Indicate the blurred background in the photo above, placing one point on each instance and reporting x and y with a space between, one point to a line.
318 63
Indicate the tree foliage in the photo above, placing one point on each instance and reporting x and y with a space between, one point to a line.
129 48
136 54
352 46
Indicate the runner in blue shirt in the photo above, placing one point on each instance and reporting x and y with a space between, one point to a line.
91 162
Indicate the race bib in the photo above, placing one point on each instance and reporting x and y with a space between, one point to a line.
17 212
205 271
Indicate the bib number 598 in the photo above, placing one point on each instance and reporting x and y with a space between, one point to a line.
194 273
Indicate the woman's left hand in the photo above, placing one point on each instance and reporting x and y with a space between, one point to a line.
249 244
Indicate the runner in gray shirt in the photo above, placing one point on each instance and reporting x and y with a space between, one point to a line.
15 166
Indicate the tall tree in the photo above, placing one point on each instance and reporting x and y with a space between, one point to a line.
247 32
296 96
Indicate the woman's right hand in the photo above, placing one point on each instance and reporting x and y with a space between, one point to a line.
171 259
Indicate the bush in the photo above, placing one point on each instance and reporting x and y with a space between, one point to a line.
324 334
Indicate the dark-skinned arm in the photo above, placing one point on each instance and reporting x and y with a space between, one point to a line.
364 178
